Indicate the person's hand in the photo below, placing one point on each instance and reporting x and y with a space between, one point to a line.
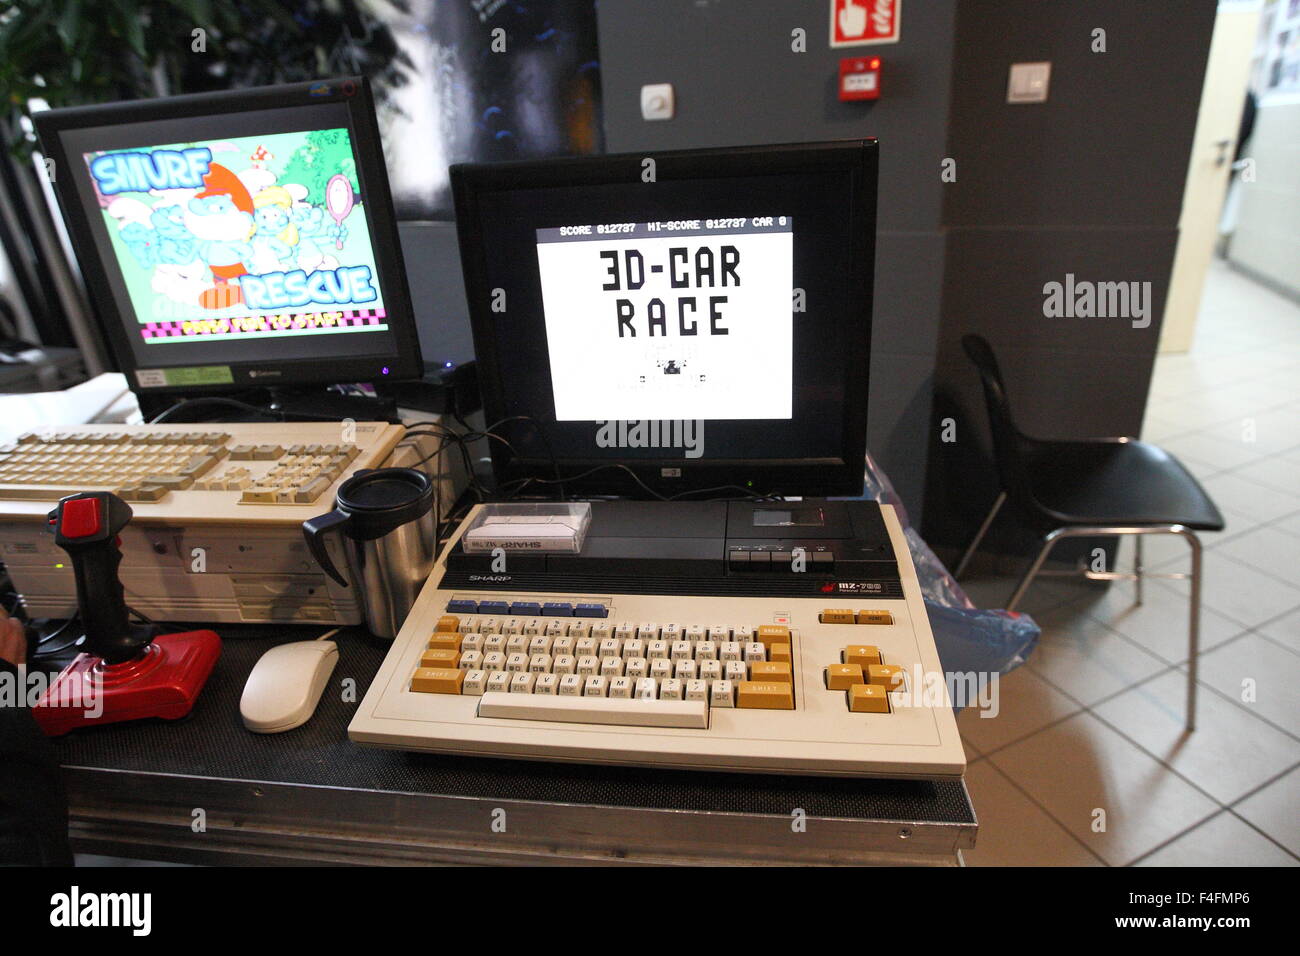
13 640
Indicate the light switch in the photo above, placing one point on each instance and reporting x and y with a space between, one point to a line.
657 101
1028 82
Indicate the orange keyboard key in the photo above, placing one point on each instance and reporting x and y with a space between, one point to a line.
868 699
445 640
875 617
769 634
843 676
764 695
836 615
890 676
437 680
440 657
779 652
448 622
771 670
861 654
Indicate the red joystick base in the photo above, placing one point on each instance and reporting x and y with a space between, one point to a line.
163 680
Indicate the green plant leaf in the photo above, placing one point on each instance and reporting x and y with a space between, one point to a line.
69 25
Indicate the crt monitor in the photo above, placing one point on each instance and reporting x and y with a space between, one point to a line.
667 324
237 239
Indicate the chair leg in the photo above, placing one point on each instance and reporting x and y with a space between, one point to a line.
1193 627
979 535
1034 568
1194 604
1137 565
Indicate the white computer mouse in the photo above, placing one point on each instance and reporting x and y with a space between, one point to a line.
286 684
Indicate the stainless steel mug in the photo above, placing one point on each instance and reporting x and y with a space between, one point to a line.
385 518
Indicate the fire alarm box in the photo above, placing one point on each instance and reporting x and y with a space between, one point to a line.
860 78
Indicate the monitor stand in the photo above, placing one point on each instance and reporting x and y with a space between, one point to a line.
299 404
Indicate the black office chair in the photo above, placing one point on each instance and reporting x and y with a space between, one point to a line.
1093 487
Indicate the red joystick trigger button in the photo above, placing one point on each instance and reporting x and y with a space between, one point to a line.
81 518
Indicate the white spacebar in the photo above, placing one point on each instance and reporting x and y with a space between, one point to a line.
596 710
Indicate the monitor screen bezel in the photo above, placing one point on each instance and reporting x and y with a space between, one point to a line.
841 474
404 362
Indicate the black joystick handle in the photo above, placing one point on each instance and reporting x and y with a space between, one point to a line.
86 526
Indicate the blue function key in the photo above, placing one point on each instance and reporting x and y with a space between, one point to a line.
557 609
462 607
493 607
524 608
591 610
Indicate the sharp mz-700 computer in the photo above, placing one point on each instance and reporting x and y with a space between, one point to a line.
673 326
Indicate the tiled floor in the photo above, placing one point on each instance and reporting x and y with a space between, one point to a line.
1087 762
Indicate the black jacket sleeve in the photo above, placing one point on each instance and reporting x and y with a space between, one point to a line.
33 803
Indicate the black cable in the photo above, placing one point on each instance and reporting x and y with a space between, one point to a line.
462 444
235 403
56 632
512 489
748 493
443 431
139 615
590 471
546 442
42 652
213 400
45 653
455 409
490 432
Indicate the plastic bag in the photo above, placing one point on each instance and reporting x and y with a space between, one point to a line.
969 640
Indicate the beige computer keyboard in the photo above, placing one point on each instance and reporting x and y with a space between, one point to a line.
214 470
760 683
216 534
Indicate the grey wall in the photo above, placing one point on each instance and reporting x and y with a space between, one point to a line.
1088 183
737 82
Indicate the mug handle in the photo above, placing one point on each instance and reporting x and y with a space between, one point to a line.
315 529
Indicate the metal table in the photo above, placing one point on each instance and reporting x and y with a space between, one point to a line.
205 790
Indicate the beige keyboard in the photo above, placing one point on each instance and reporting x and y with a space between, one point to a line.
646 674
218 510
291 463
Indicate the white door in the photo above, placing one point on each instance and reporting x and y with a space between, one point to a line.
1213 145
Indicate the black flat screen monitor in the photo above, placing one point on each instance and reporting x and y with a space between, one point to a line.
237 239
669 323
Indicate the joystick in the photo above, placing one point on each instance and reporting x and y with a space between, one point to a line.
127 671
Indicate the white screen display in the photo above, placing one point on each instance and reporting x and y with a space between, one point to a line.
669 320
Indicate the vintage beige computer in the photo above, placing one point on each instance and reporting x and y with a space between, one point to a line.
241 253
662 330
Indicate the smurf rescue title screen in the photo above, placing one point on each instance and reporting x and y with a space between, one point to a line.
236 239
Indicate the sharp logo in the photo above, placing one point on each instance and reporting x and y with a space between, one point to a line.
497 578
270 373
